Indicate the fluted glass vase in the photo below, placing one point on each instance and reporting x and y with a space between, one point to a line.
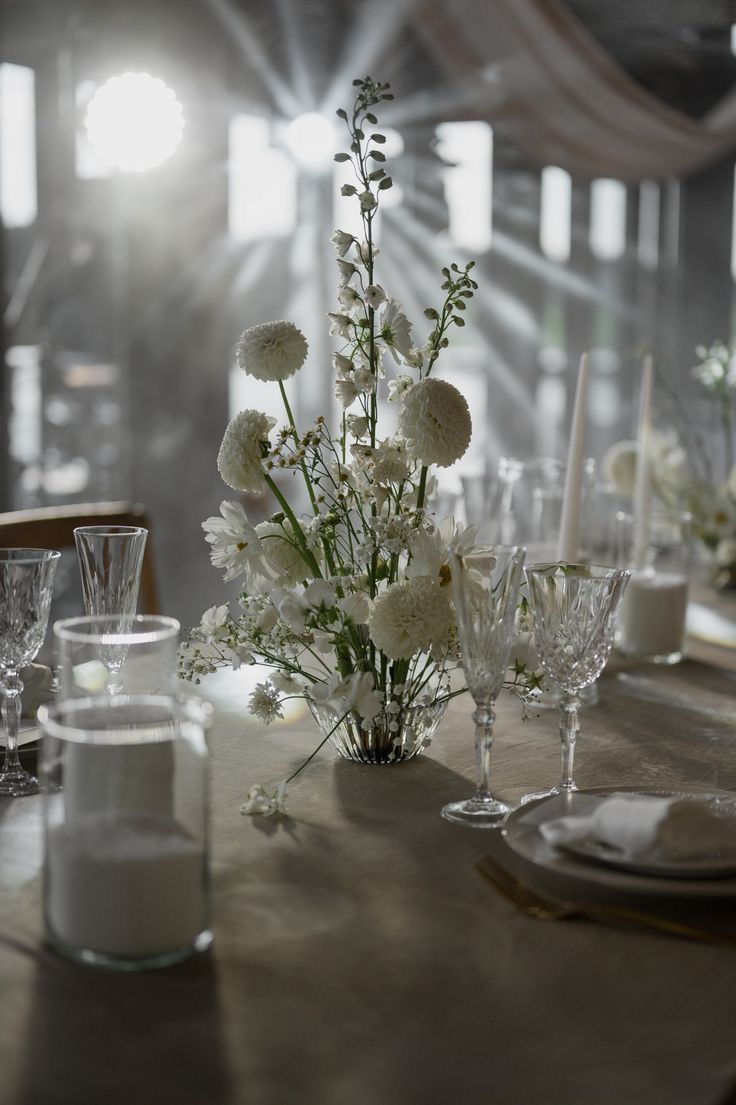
387 739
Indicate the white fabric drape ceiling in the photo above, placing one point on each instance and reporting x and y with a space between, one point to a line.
533 71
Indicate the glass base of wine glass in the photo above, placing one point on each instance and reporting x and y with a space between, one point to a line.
481 813
16 782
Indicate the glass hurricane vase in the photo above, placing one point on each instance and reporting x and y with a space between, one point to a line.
387 739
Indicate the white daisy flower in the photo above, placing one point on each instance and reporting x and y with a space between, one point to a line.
234 543
431 551
272 351
435 421
240 461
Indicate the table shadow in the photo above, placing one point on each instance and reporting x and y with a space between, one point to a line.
124 1039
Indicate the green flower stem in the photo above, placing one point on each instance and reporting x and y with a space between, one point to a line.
302 465
422 487
307 555
321 744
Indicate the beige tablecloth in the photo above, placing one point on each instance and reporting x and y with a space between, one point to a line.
359 958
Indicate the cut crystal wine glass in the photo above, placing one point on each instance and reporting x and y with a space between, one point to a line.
26 586
485 587
573 607
110 562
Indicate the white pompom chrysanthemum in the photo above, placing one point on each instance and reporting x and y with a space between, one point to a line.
435 421
412 616
239 461
272 350
619 466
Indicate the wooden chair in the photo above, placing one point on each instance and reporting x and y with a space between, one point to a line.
53 528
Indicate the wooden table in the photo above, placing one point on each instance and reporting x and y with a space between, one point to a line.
360 959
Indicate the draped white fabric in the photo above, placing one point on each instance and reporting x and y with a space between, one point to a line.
532 70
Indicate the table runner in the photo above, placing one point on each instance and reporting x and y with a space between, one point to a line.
359 958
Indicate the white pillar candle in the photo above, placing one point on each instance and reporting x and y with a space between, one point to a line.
641 480
128 884
567 546
651 617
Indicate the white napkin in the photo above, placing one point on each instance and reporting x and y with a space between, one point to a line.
637 824
37 688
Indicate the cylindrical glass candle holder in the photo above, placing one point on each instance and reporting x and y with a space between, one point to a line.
94 655
126 812
651 622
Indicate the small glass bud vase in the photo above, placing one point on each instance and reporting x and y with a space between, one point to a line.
389 738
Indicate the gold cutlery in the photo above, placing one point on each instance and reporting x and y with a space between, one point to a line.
545 909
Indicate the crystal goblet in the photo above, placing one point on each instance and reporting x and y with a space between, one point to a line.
485 587
574 607
110 562
26 586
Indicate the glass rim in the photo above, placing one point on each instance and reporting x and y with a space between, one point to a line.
684 517
602 571
109 531
168 627
187 708
36 555
479 550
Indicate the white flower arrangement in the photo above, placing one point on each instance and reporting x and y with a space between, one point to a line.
350 604
694 472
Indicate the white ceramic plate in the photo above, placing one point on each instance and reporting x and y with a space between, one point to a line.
707 877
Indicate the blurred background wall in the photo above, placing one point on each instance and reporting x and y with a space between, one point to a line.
124 292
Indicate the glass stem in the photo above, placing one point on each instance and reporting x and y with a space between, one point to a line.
484 718
569 726
11 687
114 681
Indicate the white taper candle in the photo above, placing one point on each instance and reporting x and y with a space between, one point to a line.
567 545
642 480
